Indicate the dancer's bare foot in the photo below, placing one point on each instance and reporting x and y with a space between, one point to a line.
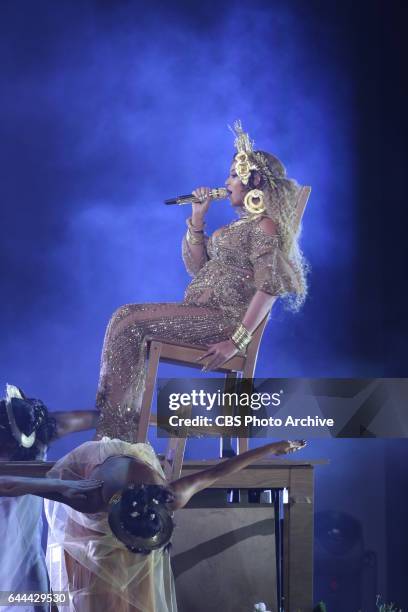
288 446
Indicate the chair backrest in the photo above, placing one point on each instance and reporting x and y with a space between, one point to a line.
302 199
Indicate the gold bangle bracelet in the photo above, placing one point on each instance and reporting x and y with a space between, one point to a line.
240 345
194 239
241 337
194 229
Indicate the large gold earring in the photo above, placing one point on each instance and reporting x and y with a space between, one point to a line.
254 201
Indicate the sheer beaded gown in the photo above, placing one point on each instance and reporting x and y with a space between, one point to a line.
238 259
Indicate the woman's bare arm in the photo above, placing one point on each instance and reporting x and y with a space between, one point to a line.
185 488
198 252
81 495
259 306
71 421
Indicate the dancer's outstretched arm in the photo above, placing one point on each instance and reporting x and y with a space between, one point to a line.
82 495
185 488
70 421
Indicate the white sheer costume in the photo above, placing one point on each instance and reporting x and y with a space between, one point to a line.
22 564
86 559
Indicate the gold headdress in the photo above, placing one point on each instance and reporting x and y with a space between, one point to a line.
254 199
242 141
243 165
243 145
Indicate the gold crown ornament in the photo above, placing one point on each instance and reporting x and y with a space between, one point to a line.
243 165
242 141
243 145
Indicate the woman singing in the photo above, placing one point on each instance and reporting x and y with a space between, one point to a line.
238 273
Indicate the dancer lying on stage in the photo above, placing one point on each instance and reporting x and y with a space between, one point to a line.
26 430
110 516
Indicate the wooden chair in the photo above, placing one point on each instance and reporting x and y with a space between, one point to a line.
163 350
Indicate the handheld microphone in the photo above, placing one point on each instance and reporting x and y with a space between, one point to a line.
220 193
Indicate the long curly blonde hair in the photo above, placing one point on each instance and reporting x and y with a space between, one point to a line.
280 198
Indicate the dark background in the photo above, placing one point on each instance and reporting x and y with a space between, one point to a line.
109 107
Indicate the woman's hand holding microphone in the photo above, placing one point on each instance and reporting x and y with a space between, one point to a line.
200 210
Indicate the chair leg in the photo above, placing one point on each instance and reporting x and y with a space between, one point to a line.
174 458
226 449
153 364
175 453
169 457
248 372
242 445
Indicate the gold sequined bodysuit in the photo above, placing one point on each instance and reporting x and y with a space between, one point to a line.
238 260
